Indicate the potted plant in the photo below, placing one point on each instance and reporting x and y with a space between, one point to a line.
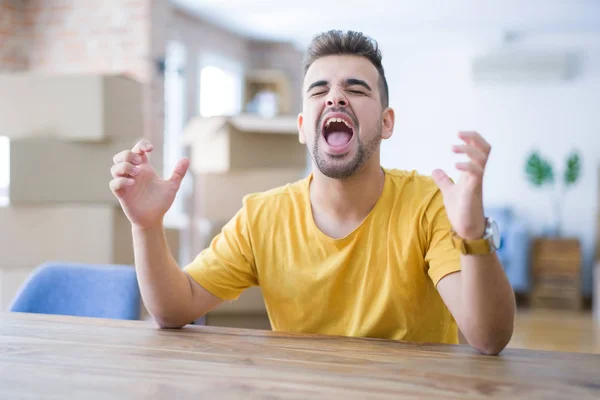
540 173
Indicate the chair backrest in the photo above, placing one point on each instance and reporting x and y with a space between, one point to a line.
103 291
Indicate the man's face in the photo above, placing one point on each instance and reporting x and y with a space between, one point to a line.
343 120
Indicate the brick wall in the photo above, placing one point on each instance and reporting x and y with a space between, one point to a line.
127 37
79 36
74 36
12 49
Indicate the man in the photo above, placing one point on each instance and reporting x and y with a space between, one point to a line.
354 249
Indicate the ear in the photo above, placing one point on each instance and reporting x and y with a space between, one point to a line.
301 137
387 123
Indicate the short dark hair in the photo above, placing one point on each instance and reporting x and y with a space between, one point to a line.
337 42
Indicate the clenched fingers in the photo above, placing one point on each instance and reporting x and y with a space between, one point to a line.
124 169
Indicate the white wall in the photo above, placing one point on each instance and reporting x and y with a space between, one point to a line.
434 97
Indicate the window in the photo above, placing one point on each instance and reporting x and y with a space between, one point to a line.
220 86
4 170
175 119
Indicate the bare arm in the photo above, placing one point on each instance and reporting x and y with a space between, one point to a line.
479 297
482 302
170 295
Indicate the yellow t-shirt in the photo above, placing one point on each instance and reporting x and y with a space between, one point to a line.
379 281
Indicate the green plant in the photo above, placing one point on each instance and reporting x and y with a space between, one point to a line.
538 170
573 169
540 173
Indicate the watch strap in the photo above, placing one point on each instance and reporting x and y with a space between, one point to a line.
472 247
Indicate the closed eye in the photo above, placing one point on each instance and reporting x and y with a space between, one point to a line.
356 92
317 94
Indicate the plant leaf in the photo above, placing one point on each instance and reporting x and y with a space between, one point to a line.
538 170
573 169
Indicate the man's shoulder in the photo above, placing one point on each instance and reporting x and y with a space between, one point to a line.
418 192
411 182
278 196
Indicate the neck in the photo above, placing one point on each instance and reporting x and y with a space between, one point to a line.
349 198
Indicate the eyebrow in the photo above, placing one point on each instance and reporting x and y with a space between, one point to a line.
316 84
348 82
360 82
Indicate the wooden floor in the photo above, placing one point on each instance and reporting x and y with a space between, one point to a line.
556 331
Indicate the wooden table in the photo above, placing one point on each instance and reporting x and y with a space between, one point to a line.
78 358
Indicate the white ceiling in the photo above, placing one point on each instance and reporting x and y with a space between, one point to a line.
298 21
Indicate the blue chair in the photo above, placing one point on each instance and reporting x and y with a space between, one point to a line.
514 247
102 291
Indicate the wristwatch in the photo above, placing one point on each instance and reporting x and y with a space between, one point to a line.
488 244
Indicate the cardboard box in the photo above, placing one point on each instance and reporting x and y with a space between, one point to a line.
241 321
76 107
30 236
250 301
44 171
203 233
11 280
219 196
76 233
222 144
257 81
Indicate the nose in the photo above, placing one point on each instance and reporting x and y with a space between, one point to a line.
336 98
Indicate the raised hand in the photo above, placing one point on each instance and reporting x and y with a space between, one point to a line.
144 197
464 200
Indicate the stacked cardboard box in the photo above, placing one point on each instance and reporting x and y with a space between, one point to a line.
77 107
232 157
64 132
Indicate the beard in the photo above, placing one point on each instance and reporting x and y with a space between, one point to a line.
336 166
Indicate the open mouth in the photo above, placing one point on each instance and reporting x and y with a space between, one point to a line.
337 131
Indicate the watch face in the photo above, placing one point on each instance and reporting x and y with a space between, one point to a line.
495 233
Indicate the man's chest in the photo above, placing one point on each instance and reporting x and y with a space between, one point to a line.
314 265
324 289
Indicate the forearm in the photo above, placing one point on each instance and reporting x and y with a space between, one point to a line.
487 306
164 287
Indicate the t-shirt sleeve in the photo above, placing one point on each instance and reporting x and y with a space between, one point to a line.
441 256
226 268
